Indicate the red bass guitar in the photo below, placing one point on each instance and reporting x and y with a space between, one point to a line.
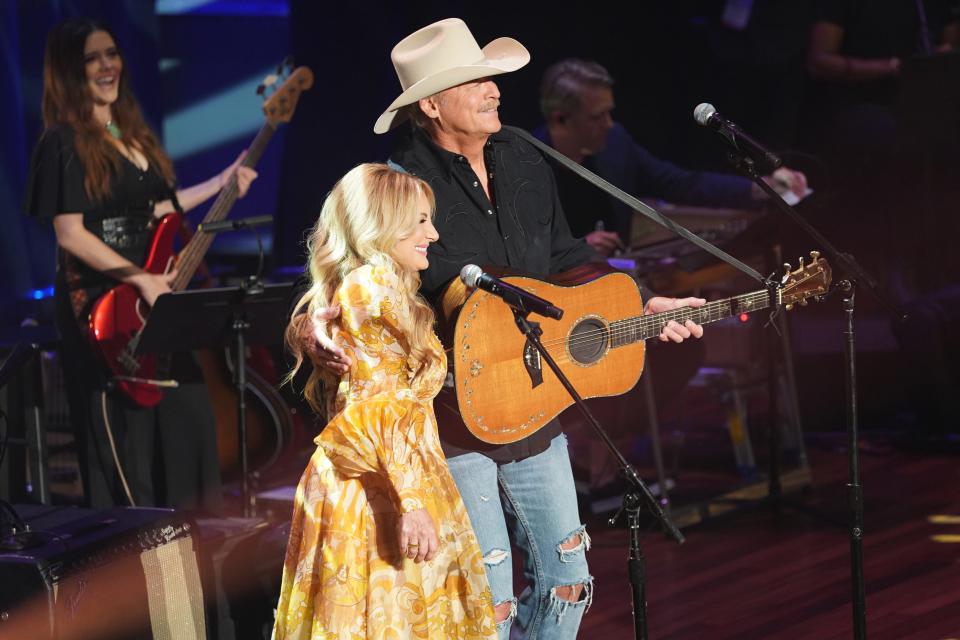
118 316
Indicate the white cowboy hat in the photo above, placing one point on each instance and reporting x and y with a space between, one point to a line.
443 55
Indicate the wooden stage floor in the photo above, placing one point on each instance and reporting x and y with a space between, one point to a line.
751 574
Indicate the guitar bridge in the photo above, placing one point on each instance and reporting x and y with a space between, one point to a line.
533 364
128 361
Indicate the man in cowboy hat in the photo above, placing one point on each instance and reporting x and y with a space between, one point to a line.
496 203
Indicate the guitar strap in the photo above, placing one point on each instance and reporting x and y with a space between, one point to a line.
636 204
172 191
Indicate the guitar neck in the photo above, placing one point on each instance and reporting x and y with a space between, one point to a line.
192 254
630 330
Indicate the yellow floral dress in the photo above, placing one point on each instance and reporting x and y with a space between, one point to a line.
344 576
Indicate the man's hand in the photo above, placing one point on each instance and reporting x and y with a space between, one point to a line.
673 330
321 349
783 180
604 242
417 535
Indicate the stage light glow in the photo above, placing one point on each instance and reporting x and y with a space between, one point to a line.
232 113
223 7
40 294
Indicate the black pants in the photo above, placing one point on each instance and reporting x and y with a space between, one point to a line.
168 453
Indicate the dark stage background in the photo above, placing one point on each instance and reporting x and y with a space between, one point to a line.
195 66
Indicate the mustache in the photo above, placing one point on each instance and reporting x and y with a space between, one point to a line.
490 105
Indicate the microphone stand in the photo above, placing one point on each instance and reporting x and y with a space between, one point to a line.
251 286
632 501
856 274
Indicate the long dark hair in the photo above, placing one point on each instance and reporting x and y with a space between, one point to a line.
67 100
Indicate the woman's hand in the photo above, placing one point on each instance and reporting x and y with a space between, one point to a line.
245 175
152 285
417 535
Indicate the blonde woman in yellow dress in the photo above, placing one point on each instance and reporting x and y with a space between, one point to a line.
381 545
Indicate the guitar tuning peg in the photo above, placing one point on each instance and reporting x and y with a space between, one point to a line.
789 307
814 255
803 302
801 263
787 267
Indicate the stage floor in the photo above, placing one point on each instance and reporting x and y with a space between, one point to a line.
752 574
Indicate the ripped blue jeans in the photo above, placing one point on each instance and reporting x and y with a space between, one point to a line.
533 504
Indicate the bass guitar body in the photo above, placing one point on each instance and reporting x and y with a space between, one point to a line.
118 316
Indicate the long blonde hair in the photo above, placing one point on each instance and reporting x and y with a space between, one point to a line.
367 211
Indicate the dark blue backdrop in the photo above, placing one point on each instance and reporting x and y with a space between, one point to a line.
195 65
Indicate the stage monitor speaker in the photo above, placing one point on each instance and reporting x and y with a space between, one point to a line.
116 573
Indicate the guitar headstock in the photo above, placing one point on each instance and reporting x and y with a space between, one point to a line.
806 281
284 88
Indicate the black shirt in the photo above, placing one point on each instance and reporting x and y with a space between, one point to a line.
122 219
887 29
629 166
524 228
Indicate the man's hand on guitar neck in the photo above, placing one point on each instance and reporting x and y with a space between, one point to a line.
673 330
152 285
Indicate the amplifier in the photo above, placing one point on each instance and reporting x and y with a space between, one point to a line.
112 573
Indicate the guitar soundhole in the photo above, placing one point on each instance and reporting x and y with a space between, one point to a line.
588 341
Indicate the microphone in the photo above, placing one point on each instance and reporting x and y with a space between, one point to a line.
706 116
234 225
523 301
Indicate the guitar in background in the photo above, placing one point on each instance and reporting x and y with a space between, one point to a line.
118 316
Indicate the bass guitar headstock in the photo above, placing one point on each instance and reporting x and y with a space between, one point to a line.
281 91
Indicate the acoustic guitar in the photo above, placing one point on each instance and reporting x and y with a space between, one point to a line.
118 316
504 389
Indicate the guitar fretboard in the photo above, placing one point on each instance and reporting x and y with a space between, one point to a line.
193 252
630 330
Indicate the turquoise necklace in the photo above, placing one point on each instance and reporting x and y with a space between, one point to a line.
113 130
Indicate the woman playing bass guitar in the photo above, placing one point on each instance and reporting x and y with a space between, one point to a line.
99 173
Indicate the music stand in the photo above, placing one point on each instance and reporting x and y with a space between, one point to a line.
203 318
